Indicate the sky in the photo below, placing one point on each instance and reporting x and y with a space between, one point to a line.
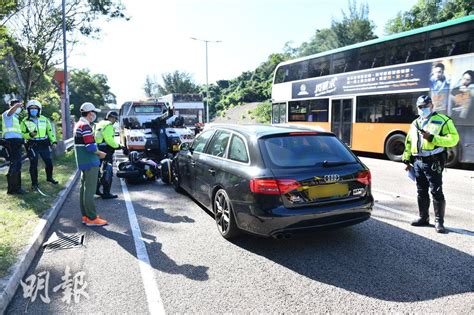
157 38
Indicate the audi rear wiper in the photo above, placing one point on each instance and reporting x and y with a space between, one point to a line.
327 163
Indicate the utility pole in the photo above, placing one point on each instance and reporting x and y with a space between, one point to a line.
207 81
65 111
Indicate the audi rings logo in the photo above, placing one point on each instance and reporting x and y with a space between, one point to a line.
331 178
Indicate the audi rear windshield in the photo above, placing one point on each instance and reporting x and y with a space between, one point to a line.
305 150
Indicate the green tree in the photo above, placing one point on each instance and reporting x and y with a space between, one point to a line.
177 82
150 87
354 27
36 28
427 12
85 86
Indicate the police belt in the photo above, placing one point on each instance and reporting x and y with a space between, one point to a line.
430 158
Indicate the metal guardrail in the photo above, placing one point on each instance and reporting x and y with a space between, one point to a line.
68 145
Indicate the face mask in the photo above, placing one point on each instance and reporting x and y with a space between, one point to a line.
424 112
93 117
34 112
18 110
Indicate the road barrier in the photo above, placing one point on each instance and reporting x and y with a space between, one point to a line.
63 146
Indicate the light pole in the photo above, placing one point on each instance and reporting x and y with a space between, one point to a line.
65 111
207 83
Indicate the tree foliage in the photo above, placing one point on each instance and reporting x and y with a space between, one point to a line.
85 86
36 32
255 86
177 82
427 12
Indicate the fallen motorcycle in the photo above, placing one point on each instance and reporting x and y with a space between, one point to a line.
140 169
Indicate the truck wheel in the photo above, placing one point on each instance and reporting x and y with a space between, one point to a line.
453 157
394 147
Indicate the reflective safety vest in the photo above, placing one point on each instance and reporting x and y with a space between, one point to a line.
444 134
42 126
15 127
104 131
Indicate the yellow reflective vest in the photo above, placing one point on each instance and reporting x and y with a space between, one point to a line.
105 131
42 126
444 134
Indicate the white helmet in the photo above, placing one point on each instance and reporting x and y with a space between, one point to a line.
33 103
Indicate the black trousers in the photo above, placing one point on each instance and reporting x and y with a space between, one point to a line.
39 148
428 173
105 172
14 147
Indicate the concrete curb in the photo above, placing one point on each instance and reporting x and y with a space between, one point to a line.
10 282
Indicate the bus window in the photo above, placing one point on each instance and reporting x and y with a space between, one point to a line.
278 113
391 108
365 111
318 67
451 41
343 61
280 74
318 110
297 111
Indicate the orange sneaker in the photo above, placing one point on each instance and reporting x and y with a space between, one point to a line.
96 222
84 219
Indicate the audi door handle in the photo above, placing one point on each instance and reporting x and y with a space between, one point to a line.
212 171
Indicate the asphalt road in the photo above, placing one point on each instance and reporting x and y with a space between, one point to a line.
185 266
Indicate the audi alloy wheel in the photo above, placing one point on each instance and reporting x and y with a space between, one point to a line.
224 215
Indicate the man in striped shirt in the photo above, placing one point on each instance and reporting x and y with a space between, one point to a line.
88 161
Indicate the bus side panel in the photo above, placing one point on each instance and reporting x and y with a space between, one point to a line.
325 125
466 136
370 137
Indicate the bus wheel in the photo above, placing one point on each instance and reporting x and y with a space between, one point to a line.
453 157
394 147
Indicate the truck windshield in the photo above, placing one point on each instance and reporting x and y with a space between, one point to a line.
148 109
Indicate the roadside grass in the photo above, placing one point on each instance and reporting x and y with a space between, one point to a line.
19 214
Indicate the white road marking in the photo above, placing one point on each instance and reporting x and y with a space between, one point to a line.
412 217
393 195
155 304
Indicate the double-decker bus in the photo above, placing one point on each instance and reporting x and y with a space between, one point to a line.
366 93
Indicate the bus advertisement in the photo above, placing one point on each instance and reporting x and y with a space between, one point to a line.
366 93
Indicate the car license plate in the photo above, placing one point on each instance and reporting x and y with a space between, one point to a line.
330 190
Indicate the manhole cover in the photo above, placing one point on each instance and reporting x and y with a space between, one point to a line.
63 241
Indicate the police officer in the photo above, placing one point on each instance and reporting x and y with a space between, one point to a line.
425 148
105 138
13 140
39 134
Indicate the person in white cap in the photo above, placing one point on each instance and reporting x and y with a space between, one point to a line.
88 161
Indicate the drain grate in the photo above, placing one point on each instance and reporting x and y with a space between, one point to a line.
63 241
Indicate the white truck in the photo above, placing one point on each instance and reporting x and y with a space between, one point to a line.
151 127
188 106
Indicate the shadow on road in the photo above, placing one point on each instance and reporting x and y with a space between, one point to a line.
404 268
158 259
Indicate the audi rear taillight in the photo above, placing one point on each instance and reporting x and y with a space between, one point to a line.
364 177
273 186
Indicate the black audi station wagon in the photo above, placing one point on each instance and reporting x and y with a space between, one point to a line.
274 180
